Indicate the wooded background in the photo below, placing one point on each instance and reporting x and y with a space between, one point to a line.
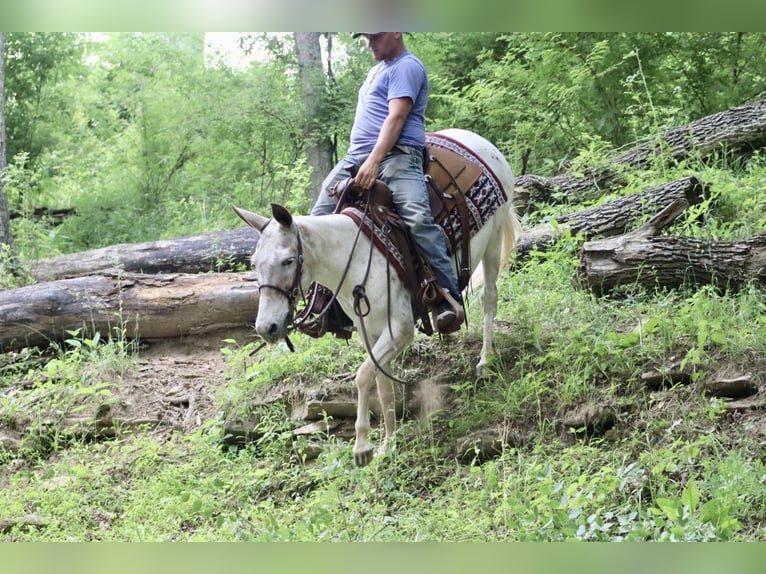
149 138
630 359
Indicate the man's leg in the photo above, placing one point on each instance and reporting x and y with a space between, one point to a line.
335 319
403 172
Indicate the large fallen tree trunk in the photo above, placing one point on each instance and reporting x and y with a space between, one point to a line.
671 262
217 251
739 127
227 250
643 259
616 217
146 306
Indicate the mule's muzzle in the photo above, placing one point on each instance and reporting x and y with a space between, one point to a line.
271 332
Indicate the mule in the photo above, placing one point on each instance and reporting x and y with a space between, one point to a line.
294 251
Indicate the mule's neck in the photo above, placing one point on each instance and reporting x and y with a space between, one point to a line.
328 242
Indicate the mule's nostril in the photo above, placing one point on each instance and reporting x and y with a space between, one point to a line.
273 328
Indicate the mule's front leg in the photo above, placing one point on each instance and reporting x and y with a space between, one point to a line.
365 378
388 409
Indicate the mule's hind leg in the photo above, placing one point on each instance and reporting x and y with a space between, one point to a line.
490 267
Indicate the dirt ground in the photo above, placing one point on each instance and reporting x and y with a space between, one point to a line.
173 384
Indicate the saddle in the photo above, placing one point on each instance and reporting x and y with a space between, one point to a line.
448 176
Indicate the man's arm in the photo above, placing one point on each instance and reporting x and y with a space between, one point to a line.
398 110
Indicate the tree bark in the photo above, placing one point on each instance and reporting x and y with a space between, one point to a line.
319 146
218 251
5 221
739 127
613 218
642 259
146 306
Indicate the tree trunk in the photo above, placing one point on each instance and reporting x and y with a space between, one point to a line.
314 97
5 220
146 306
54 216
616 217
739 127
217 251
640 258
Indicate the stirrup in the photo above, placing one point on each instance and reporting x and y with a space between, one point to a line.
448 319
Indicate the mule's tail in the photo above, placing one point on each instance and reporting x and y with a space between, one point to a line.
511 234
511 231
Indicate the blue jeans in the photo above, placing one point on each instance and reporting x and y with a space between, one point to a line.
402 170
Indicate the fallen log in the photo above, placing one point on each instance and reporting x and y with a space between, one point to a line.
217 251
136 305
616 217
55 216
231 250
738 127
643 259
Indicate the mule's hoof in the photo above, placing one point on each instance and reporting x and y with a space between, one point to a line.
363 457
482 372
386 448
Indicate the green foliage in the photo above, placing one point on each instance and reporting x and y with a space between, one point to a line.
78 380
252 368
148 142
37 98
550 93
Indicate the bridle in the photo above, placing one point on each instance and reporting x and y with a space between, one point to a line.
292 293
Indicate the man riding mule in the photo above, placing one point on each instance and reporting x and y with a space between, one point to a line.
387 142
341 251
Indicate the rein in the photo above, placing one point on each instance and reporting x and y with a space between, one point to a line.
360 296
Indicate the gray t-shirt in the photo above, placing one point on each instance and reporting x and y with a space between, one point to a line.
405 76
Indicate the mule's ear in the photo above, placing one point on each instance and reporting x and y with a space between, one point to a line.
281 214
254 220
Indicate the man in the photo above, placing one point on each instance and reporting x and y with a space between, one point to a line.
388 142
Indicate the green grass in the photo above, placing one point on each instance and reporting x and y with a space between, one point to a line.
189 489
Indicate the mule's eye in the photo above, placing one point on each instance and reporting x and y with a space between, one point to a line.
288 261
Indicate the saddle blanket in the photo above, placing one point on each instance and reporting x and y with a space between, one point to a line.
483 199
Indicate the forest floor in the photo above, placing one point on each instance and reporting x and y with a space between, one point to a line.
173 385
174 381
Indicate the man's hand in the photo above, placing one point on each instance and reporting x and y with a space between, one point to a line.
368 173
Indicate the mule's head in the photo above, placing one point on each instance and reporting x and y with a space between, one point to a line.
277 262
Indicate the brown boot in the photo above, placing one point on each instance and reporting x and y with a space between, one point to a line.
448 318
